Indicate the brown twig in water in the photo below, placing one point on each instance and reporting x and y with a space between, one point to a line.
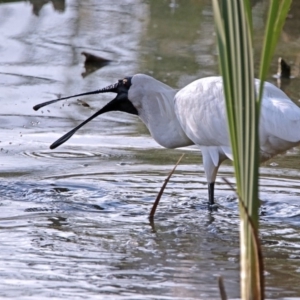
222 288
152 213
254 235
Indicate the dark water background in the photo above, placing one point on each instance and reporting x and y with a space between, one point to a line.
73 221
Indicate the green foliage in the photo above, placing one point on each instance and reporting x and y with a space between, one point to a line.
233 21
278 11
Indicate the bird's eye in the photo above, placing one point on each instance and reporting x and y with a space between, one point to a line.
125 82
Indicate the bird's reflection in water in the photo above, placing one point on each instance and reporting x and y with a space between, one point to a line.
37 5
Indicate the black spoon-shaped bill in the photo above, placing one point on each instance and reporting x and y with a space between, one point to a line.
109 89
120 103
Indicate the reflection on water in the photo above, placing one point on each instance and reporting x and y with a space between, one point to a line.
37 5
175 46
74 221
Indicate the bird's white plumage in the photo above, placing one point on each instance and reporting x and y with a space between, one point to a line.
154 102
196 115
200 109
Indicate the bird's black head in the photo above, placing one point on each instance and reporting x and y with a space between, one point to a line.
119 103
124 84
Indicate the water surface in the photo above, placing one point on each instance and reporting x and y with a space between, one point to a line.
74 221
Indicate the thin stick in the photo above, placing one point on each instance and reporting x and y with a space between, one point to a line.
152 213
254 235
222 288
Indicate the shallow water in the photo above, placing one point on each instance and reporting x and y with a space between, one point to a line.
74 221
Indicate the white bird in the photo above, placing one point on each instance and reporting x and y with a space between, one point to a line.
196 115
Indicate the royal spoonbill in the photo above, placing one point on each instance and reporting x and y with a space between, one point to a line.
196 115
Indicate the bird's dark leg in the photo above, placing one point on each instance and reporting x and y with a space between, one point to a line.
211 187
